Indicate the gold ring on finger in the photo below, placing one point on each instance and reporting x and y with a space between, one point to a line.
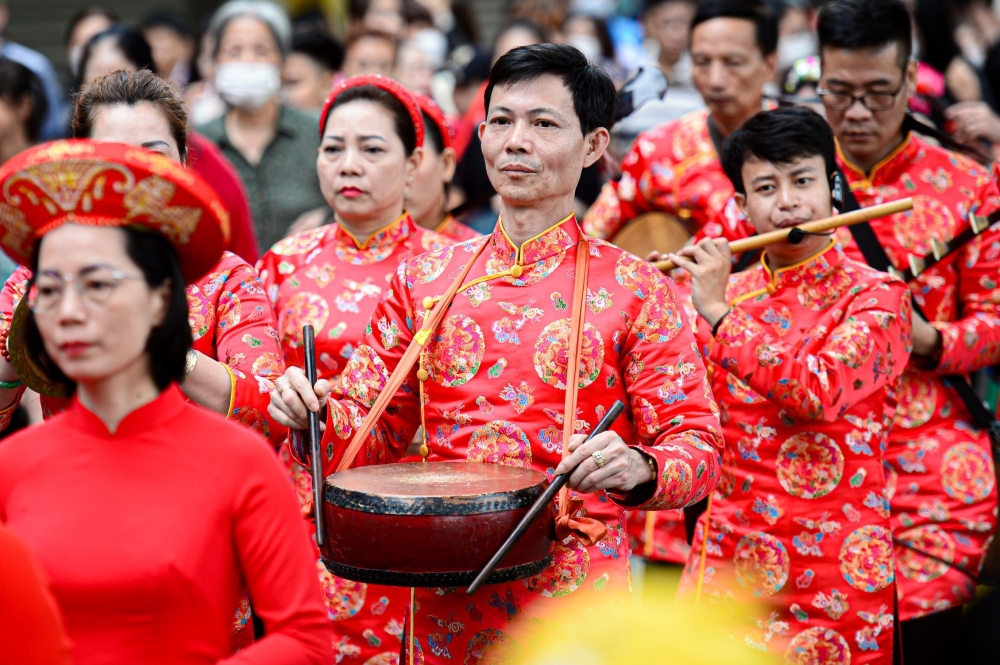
599 458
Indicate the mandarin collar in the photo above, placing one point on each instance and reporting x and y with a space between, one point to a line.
889 169
810 271
554 240
386 237
162 412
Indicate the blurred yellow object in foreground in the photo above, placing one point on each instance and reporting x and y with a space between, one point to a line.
624 630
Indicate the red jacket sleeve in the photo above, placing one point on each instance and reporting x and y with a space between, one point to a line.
676 416
33 632
13 290
868 350
280 570
244 340
972 341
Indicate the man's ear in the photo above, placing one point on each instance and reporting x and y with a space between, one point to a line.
596 143
741 203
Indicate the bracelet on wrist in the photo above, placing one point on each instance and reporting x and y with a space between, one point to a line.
190 362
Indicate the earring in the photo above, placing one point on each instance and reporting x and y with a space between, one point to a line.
410 180
838 192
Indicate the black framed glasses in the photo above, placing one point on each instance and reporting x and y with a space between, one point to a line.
873 101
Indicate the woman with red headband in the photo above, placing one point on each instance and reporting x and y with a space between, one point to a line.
151 516
427 197
372 137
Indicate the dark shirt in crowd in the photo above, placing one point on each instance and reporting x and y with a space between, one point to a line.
284 184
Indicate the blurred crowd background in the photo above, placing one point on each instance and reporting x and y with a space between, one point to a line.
254 87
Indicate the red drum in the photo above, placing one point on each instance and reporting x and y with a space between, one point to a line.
430 524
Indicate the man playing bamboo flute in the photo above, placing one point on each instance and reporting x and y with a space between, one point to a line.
805 350
493 378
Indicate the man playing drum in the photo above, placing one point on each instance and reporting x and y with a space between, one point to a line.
490 385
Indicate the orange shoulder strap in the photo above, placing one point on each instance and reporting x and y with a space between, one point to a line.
585 529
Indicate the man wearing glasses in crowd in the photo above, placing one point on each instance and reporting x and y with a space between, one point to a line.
941 482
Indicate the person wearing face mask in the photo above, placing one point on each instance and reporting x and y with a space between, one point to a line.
120 47
332 277
427 195
805 349
674 168
941 464
272 146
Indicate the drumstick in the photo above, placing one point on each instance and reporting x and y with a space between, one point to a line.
818 226
541 502
309 348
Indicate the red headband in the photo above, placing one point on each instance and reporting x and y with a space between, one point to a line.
391 86
434 112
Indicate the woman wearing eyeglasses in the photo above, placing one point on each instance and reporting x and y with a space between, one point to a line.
151 516
234 359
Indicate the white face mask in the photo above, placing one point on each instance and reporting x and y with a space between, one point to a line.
247 85
794 47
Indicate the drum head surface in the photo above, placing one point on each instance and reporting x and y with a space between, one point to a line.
435 488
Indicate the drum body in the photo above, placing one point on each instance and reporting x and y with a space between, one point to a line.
430 524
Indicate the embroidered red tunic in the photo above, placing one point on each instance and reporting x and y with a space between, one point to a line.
151 535
486 401
939 465
671 168
231 321
328 278
805 368
455 230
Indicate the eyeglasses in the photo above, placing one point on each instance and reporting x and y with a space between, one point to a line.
873 101
95 286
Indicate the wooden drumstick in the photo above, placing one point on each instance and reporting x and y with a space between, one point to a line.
818 226
318 481
541 502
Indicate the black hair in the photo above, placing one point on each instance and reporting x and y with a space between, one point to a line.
779 137
758 13
936 24
432 134
861 24
127 40
319 47
84 14
18 82
594 95
401 119
169 342
167 18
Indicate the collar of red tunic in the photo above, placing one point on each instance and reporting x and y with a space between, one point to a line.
160 412
810 271
890 169
554 240
386 237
